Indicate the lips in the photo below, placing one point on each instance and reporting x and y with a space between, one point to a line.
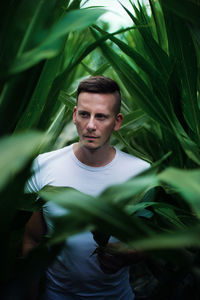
90 137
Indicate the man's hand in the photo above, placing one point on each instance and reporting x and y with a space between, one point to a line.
114 257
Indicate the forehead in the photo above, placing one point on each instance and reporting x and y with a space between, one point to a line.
96 101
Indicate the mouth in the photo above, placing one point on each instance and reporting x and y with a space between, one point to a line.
90 137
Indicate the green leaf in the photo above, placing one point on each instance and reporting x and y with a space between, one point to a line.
15 152
187 9
184 56
24 19
67 99
137 207
131 149
53 43
169 214
33 112
121 193
87 210
175 240
134 120
159 24
185 182
155 52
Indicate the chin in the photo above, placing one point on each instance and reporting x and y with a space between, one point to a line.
91 147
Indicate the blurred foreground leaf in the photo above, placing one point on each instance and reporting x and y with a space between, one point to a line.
185 182
15 152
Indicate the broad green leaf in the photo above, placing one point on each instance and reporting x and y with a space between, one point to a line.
36 18
67 100
15 152
121 193
137 207
134 120
67 226
50 47
190 148
185 182
169 214
14 98
132 208
61 119
32 115
94 211
174 240
21 17
131 149
159 24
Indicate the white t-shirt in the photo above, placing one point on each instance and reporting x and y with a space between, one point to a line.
75 271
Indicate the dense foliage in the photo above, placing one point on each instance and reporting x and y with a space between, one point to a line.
46 48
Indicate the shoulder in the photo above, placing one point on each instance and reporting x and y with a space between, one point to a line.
48 161
45 165
54 155
131 164
129 158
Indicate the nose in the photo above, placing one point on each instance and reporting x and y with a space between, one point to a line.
91 126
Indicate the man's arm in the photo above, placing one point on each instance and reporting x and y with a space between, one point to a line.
34 231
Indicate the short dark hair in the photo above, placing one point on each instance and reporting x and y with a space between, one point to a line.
101 85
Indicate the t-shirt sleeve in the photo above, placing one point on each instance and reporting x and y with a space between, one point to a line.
34 183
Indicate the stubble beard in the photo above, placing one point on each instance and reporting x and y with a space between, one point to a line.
92 149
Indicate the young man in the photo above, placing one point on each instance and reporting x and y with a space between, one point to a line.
89 166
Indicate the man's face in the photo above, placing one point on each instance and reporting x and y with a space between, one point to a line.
95 119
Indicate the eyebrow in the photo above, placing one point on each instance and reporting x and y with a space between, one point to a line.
83 111
101 115
97 114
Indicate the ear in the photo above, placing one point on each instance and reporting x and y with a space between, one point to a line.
74 114
118 122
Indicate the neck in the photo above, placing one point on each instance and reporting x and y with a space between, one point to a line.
94 157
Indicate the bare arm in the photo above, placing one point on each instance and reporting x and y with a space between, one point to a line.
34 231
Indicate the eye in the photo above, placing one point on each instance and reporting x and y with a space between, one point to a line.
101 117
83 114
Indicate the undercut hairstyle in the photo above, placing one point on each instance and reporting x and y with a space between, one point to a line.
101 85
